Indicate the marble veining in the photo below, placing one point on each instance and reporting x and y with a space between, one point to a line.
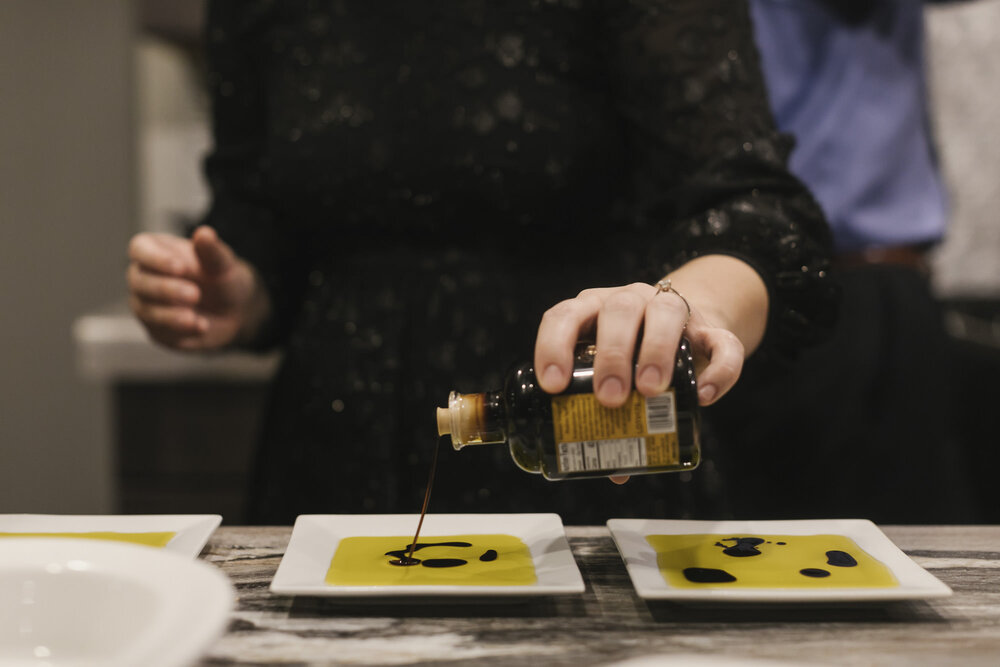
608 623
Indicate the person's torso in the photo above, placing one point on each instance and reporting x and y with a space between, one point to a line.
380 115
847 79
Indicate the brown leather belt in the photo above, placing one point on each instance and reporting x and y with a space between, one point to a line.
911 256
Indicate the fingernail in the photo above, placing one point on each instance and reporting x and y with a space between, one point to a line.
203 324
650 376
552 376
706 393
611 388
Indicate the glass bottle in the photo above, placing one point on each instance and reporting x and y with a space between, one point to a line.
570 435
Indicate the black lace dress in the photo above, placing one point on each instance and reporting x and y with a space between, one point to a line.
416 186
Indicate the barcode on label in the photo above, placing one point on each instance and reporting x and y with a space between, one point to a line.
661 414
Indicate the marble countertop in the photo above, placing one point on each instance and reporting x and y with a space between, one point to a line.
608 623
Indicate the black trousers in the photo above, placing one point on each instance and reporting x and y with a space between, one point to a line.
862 426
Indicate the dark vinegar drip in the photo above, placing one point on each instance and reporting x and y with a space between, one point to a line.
840 559
444 562
814 572
707 575
403 553
408 559
745 546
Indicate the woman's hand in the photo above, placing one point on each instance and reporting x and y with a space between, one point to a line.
728 302
617 314
193 294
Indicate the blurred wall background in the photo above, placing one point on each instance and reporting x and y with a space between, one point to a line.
963 40
66 211
102 126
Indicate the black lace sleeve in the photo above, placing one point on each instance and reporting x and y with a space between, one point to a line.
290 172
708 155
237 170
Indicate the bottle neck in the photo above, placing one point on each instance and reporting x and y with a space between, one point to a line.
473 419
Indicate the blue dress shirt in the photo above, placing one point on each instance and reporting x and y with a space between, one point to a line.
852 91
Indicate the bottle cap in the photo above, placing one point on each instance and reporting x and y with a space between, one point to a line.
444 421
465 421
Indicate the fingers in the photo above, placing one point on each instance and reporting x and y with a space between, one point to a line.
165 304
617 314
665 317
168 319
204 254
618 321
618 479
214 256
161 292
557 335
160 288
184 291
725 355
163 253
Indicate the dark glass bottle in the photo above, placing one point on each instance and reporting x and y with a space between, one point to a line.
570 435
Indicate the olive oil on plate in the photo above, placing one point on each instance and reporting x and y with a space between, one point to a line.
155 539
767 561
453 560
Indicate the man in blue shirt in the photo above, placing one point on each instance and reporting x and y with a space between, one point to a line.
864 428
847 79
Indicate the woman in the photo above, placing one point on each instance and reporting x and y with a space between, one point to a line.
403 203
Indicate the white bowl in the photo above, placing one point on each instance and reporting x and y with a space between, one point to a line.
77 602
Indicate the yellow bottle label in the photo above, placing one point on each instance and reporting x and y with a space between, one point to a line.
642 433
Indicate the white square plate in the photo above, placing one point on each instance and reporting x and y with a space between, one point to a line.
641 561
192 530
73 602
315 538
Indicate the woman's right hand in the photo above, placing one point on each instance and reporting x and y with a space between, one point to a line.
193 294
